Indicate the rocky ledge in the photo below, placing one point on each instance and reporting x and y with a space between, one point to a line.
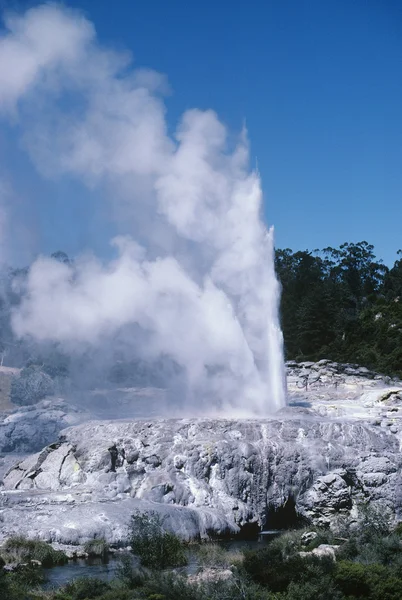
336 447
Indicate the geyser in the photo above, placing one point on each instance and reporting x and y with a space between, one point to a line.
194 271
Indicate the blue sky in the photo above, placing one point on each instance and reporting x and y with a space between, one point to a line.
319 85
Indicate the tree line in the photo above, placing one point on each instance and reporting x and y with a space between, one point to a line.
343 304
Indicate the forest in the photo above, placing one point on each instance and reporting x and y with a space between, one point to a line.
343 304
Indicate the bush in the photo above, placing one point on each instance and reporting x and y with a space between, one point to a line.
372 548
97 548
19 549
373 520
17 584
375 582
213 555
129 574
271 568
84 588
352 579
31 386
322 589
156 548
398 529
162 586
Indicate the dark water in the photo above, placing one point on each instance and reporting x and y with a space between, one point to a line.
58 576
107 570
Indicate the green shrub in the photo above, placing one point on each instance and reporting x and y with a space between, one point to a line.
156 548
398 529
271 568
389 588
373 521
18 584
97 548
84 588
322 589
375 582
31 386
129 574
174 587
352 579
371 549
19 549
212 555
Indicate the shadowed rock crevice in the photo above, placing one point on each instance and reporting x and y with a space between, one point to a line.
284 517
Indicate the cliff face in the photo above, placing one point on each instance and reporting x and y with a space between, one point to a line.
334 449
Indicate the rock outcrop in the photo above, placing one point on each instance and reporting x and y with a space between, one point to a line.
334 448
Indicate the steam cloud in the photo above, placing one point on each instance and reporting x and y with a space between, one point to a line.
196 273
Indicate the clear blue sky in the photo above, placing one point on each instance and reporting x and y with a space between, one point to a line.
319 84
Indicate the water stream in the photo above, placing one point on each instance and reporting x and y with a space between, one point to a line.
107 569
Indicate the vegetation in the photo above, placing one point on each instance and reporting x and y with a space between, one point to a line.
31 386
21 550
97 548
215 556
368 565
156 548
342 304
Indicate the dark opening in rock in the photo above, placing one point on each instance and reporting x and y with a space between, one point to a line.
283 517
249 531
114 453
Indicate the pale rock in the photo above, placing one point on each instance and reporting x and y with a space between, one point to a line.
323 454
308 537
323 550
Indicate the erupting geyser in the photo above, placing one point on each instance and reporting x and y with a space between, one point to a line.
194 274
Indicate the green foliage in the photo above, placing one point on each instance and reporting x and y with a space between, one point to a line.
275 571
97 547
318 589
398 529
175 587
373 520
212 555
129 574
84 588
21 550
342 304
272 568
31 386
375 582
372 541
352 579
156 548
21 583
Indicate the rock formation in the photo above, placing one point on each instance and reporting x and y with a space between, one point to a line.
334 448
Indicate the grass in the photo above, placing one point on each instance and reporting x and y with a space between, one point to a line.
97 548
215 556
21 550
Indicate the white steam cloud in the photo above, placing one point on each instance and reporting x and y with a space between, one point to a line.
202 283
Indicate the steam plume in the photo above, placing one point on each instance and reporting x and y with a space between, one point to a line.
201 282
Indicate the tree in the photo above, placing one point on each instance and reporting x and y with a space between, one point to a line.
343 304
31 386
